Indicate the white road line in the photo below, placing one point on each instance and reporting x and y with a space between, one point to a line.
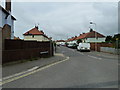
17 74
59 54
31 72
34 68
94 57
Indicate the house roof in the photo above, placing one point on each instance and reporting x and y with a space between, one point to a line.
90 35
71 39
5 11
60 41
35 31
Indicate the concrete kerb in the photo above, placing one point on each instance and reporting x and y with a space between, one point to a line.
26 65
33 59
33 70
107 55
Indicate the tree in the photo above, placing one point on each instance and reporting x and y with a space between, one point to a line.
79 41
109 39
116 37
116 40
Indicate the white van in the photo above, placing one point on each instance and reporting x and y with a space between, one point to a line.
83 47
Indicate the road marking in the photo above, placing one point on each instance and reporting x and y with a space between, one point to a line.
59 54
94 57
17 74
34 68
31 72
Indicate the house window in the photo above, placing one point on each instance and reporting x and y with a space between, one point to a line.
32 36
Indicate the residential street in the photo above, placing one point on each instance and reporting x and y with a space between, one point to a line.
78 70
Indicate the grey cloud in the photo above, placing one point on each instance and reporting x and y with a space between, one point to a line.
62 20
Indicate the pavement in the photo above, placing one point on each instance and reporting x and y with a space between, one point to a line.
11 69
74 70
105 55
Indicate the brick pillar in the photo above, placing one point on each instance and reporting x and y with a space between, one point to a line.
6 34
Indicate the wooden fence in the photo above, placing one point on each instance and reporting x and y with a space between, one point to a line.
19 49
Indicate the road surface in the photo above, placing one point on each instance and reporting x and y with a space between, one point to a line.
78 70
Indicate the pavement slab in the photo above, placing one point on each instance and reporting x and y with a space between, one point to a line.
20 67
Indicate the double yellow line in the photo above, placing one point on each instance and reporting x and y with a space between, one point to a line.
32 72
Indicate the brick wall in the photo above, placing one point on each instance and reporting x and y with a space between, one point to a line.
6 33
18 50
98 45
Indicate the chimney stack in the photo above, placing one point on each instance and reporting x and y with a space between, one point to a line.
8 5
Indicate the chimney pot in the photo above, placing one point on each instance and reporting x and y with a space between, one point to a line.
36 27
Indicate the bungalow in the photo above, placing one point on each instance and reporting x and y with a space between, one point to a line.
35 35
92 37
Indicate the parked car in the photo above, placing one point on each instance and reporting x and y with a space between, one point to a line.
62 44
72 45
83 47
58 44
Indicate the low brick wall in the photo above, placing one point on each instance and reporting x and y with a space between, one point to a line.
98 45
19 50
110 50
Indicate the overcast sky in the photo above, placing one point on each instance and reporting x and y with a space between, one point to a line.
62 20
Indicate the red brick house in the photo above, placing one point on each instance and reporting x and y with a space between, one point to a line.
92 37
35 35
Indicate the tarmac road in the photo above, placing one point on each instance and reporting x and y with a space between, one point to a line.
78 70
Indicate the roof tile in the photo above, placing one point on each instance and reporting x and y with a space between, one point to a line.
90 35
34 31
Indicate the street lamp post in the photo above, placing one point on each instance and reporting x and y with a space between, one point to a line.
95 35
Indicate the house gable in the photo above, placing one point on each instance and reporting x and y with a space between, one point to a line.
35 34
92 34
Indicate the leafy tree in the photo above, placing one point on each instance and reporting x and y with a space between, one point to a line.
79 41
116 40
108 39
116 37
